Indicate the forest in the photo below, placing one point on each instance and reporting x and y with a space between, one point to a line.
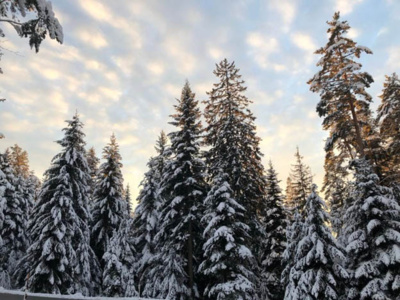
211 221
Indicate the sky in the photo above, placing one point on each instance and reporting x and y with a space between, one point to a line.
122 66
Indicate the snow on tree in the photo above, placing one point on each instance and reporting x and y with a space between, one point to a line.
227 261
342 87
109 207
317 272
119 261
146 218
182 188
40 21
13 221
60 260
293 233
93 164
373 244
233 144
273 219
300 184
128 199
388 118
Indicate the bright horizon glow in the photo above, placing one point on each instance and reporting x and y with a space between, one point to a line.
123 64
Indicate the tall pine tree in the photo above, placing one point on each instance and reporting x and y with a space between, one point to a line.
109 207
373 237
60 260
273 220
183 189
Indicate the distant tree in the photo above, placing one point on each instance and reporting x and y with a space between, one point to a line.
93 163
119 264
128 200
227 261
60 260
373 243
19 161
146 221
273 219
300 184
13 235
183 189
317 272
109 208
388 119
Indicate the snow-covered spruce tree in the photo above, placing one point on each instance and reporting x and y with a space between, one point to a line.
146 218
119 264
60 260
93 164
273 219
13 235
234 146
388 120
317 272
227 261
128 200
183 190
293 232
300 181
109 207
373 243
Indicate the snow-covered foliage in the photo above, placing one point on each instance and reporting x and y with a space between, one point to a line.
13 221
119 271
317 272
60 260
300 184
182 189
373 243
227 261
41 20
273 219
93 164
109 207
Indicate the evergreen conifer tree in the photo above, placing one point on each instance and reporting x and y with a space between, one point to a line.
109 207
227 262
128 200
317 272
274 222
373 241
146 218
300 184
388 119
93 163
119 264
60 260
183 189
13 235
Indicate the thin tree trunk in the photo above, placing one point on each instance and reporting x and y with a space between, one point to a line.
190 260
357 126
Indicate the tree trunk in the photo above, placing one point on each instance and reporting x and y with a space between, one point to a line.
190 260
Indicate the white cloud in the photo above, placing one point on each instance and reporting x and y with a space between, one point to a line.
346 6
261 48
92 38
286 9
304 42
394 58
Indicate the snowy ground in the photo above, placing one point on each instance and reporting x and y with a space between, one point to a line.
18 295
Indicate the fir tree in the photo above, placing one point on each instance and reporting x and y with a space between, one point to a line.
13 236
373 241
388 119
109 207
146 218
93 164
182 188
227 262
300 184
234 146
19 161
119 264
317 272
273 221
60 260
128 200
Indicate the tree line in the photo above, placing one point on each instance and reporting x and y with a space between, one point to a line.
211 221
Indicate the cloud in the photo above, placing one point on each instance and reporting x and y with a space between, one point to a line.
286 9
93 38
345 6
393 60
304 42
